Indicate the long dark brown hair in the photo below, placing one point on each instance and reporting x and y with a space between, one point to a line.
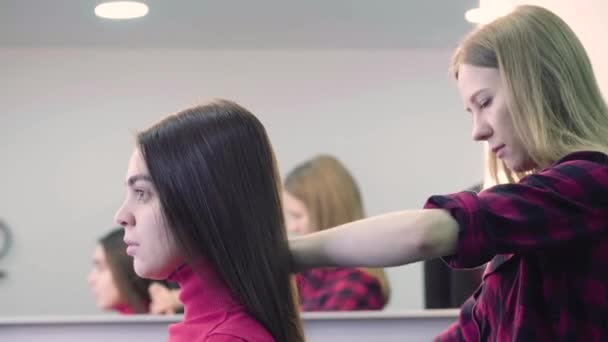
216 176
132 288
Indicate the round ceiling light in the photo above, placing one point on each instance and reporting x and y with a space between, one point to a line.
476 16
487 12
121 10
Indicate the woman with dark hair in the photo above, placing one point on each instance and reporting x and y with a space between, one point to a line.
113 280
203 209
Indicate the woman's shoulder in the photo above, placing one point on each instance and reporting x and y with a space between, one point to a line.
583 170
588 158
239 326
220 337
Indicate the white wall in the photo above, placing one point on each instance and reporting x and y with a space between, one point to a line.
587 18
67 117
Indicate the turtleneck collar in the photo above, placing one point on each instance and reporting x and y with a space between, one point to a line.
202 291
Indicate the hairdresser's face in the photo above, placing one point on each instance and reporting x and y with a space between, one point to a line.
297 218
483 96
149 242
101 281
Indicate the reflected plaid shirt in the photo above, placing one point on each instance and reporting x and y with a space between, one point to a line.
547 239
339 289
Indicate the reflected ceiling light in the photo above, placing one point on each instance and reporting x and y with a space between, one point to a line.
476 16
121 10
489 10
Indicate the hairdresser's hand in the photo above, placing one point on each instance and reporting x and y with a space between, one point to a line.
164 301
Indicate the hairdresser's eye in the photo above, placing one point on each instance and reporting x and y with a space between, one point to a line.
485 103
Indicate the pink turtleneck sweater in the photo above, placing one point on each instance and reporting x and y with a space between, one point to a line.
211 313
124 309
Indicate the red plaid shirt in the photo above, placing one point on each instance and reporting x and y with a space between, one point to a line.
339 289
547 239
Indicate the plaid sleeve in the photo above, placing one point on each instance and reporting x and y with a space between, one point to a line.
356 291
451 334
561 204
464 207
339 289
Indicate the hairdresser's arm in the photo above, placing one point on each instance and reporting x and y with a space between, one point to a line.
387 240
164 301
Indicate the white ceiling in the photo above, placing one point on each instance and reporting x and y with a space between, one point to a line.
383 24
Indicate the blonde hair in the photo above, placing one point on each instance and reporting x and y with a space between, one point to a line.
332 198
496 172
552 94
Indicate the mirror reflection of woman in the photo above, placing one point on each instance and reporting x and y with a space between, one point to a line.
113 281
318 194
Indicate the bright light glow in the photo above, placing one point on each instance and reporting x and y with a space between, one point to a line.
121 10
489 10
476 16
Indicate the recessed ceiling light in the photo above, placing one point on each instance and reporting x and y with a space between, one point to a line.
487 12
121 10
476 16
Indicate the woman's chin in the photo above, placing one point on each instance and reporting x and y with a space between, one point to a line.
519 165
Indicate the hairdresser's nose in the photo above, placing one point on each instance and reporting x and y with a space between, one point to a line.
482 130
